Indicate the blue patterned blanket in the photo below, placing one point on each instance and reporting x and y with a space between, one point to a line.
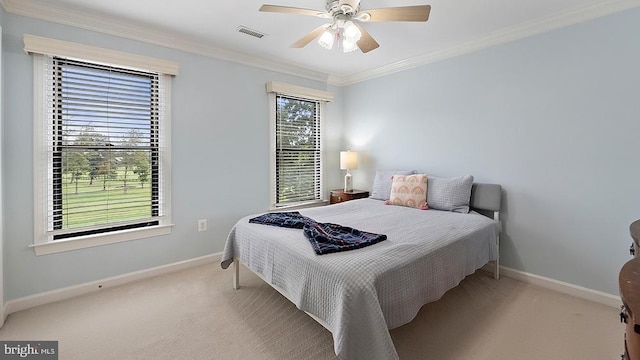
325 238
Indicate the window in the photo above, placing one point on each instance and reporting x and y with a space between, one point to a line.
102 153
297 153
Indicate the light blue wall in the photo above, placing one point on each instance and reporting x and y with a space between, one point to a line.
1 176
554 118
220 163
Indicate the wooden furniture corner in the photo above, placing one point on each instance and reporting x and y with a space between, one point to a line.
339 195
629 282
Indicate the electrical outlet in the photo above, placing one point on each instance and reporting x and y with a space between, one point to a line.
202 225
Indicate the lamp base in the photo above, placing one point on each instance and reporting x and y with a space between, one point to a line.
348 183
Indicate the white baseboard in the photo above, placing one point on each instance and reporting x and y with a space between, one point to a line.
94 286
559 286
3 313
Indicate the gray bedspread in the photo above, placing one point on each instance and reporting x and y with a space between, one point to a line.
360 294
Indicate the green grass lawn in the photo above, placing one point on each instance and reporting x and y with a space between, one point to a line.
93 205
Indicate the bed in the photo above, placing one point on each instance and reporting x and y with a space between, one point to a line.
358 295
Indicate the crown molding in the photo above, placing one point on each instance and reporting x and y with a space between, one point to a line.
520 31
66 15
70 16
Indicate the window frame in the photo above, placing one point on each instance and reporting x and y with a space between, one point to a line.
43 242
321 97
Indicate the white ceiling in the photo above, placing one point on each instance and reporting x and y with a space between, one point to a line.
210 27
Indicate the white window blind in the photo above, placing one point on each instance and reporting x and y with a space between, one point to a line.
105 142
298 150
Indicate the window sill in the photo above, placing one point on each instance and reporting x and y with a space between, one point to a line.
82 242
309 204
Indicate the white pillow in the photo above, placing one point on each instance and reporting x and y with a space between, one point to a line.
382 183
450 194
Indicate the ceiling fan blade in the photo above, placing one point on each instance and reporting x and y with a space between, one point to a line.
404 13
366 42
292 10
309 37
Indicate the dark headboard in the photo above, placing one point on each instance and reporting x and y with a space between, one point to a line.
486 197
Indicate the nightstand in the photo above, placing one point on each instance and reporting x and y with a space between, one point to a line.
339 195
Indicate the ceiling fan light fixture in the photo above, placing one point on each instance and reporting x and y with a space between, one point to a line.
345 28
326 39
351 32
349 46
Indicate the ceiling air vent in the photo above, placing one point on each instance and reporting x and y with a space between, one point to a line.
254 33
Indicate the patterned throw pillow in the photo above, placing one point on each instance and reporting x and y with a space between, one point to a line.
409 190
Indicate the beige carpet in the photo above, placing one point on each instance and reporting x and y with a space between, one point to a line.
194 314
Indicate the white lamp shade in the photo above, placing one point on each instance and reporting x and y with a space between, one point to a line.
351 32
326 40
348 160
348 46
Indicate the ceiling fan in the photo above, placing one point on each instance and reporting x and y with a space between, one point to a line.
345 27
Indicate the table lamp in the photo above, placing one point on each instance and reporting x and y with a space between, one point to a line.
348 161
